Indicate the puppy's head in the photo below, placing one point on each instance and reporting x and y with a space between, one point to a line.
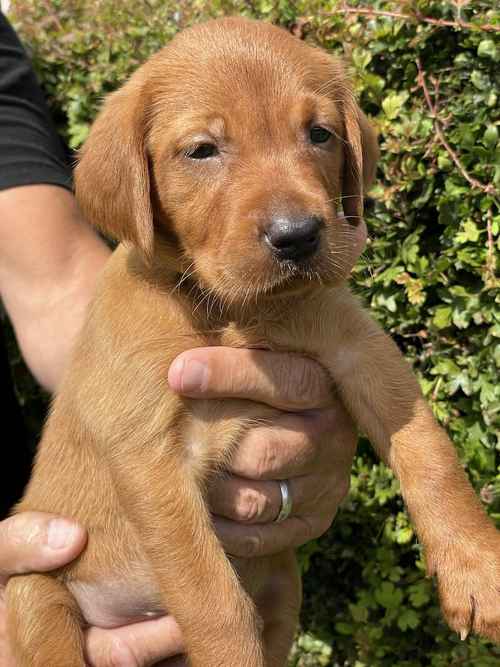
241 145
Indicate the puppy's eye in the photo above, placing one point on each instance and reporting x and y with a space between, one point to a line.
319 135
202 152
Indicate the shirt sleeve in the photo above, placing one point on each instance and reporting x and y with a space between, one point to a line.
31 151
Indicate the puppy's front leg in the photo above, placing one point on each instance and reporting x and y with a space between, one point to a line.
462 546
161 495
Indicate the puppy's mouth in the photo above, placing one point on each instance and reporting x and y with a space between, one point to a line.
293 275
285 261
284 276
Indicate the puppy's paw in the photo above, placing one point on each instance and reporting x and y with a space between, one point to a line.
468 578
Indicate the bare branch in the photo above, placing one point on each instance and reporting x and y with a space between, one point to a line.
366 11
491 262
487 189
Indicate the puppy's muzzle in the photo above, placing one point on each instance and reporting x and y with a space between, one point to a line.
294 239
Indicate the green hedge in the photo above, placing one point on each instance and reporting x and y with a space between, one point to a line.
429 273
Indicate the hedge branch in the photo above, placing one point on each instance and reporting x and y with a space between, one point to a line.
488 189
53 15
487 27
491 263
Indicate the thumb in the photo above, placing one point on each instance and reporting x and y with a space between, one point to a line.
281 380
38 542
135 645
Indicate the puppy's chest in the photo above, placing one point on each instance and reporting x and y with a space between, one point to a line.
281 332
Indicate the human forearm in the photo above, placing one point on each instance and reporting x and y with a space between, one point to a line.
49 263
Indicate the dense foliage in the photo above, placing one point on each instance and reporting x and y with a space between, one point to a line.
427 73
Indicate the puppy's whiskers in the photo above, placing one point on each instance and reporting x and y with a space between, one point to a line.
187 273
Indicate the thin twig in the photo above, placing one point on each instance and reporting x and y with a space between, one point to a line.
487 189
488 27
490 259
53 15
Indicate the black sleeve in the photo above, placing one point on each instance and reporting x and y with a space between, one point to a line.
15 451
30 149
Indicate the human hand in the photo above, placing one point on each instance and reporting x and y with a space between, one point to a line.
37 542
310 444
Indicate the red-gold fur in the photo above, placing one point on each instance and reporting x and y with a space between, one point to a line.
130 460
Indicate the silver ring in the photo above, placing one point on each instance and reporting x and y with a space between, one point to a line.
286 502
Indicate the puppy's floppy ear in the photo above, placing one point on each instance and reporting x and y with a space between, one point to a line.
360 159
112 176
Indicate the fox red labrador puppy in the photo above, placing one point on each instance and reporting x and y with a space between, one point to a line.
232 168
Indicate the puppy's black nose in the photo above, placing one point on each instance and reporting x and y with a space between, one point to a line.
294 238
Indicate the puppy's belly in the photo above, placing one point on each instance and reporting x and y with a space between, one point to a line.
113 582
114 602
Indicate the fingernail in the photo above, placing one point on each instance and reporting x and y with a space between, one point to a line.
61 533
194 377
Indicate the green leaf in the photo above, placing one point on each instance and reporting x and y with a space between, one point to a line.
469 232
487 49
460 317
361 58
408 619
460 381
490 136
266 6
496 355
344 628
387 301
480 80
393 104
404 535
419 594
390 274
445 163
442 317
388 596
492 98
445 367
426 194
79 133
359 613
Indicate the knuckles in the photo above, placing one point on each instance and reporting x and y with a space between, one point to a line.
303 383
115 652
322 527
266 456
271 452
252 506
342 488
250 547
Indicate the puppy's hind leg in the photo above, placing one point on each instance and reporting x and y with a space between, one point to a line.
43 623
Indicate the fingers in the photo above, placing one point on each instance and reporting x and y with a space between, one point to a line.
37 542
245 541
249 502
284 381
291 449
135 645
295 444
245 501
313 452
